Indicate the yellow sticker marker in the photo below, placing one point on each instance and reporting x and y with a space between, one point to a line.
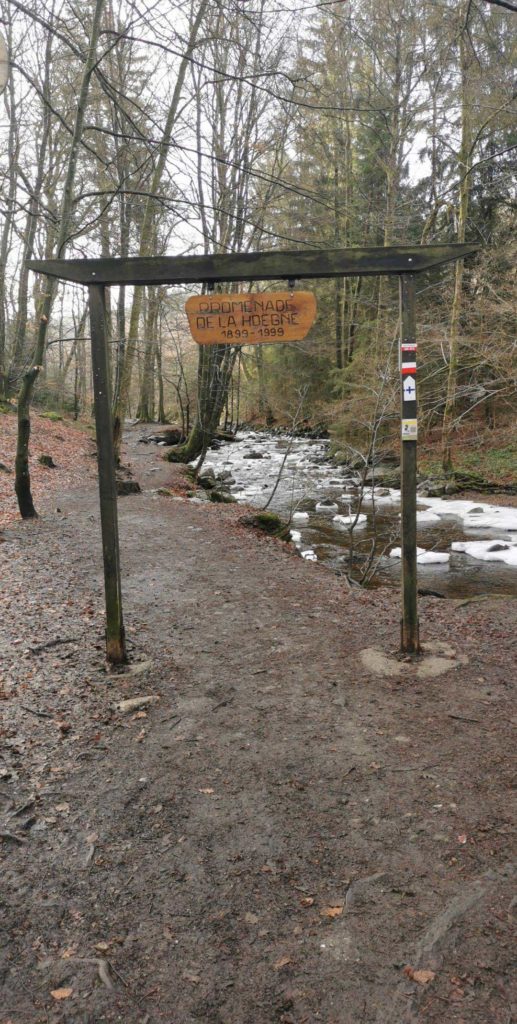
409 430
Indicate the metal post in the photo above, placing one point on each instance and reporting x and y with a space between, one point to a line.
115 646
409 431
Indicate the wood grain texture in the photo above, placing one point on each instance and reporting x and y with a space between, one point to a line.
250 318
255 266
410 636
115 641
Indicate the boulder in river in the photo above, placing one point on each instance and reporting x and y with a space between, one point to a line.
207 479
326 505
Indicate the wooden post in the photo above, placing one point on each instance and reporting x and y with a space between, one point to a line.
410 643
115 646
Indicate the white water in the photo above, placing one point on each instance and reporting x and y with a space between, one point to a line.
456 537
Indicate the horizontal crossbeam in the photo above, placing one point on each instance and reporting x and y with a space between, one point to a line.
254 266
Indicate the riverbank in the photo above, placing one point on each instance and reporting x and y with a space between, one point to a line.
285 830
484 458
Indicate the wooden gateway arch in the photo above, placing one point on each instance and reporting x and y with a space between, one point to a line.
291 265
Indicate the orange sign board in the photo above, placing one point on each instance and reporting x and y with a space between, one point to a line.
250 319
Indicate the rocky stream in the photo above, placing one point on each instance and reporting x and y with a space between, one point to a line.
465 547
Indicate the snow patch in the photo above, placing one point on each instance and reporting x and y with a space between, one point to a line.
350 520
488 550
474 516
424 557
426 517
380 495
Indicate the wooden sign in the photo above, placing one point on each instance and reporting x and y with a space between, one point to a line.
250 319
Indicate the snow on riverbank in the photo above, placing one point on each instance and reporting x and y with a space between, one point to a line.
488 550
424 557
474 516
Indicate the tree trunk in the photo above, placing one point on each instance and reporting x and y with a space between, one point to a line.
12 158
214 372
161 398
145 410
22 481
147 233
464 165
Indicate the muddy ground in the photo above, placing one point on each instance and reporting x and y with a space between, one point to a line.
286 834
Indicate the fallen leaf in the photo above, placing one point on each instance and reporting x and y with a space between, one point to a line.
462 840
102 946
250 918
64 808
135 703
207 790
307 901
103 970
421 977
283 962
194 978
61 993
67 953
332 911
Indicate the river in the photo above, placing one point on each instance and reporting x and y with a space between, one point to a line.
309 480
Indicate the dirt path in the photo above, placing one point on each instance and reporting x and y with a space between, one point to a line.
284 830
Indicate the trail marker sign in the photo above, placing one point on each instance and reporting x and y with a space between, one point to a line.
251 318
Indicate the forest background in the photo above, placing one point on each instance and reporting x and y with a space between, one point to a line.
133 127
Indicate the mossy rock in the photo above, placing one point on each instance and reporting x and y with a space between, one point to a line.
48 461
268 522
222 498
177 454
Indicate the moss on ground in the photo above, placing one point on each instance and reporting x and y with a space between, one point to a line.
54 417
268 522
477 467
222 498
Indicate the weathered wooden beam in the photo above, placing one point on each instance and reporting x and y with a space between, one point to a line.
115 644
255 266
410 640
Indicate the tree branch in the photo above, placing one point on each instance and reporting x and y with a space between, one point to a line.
503 3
